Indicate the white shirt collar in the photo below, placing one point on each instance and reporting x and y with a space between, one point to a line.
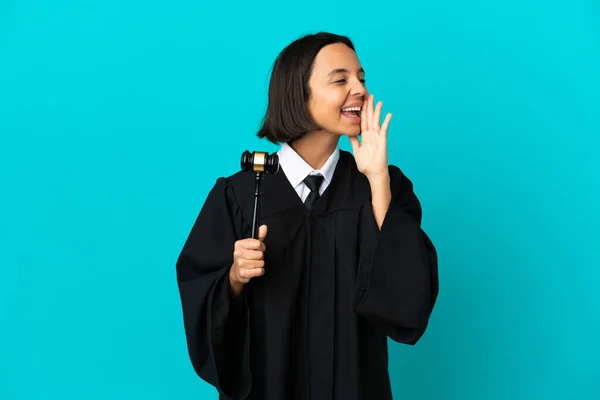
296 169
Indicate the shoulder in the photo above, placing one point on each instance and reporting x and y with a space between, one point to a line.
232 188
239 181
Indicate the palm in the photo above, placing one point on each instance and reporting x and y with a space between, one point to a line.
371 152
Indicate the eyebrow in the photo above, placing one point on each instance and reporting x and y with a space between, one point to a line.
343 70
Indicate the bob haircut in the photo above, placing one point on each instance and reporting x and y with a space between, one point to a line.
287 117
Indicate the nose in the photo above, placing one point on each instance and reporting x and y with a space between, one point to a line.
358 88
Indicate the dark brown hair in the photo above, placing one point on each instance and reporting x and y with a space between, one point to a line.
287 116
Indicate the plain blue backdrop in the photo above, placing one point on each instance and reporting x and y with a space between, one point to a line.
116 118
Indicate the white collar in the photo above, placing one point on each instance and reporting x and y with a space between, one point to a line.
296 169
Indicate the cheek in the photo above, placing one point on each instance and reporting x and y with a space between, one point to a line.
332 104
337 98
325 106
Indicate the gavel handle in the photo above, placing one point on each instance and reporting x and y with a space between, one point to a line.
255 214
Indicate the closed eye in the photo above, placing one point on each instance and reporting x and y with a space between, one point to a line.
344 81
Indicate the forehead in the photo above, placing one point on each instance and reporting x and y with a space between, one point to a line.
335 56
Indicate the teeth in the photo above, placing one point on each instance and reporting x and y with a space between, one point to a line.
351 109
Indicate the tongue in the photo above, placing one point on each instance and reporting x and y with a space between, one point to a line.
349 113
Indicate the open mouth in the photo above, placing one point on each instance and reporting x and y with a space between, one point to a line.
351 112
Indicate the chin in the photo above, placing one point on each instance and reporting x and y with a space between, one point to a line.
350 132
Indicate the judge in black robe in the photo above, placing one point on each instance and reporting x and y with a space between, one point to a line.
336 286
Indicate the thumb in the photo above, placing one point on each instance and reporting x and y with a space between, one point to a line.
262 232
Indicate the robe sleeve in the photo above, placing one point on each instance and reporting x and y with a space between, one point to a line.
215 321
397 281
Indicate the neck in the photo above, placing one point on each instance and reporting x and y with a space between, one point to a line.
315 147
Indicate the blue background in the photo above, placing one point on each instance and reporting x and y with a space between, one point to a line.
116 117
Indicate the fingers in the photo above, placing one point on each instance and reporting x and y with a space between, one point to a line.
363 116
371 115
248 257
249 254
244 263
247 269
249 244
374 124
369 111
386 123
249 273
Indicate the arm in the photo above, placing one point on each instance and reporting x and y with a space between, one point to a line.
381 197
215 321
397 282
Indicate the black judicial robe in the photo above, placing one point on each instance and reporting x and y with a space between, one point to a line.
315 325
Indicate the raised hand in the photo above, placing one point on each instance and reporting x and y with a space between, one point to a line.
371 152
248 260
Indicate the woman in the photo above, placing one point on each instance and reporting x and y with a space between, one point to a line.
341 262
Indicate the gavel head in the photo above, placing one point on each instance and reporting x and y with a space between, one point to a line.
260 162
